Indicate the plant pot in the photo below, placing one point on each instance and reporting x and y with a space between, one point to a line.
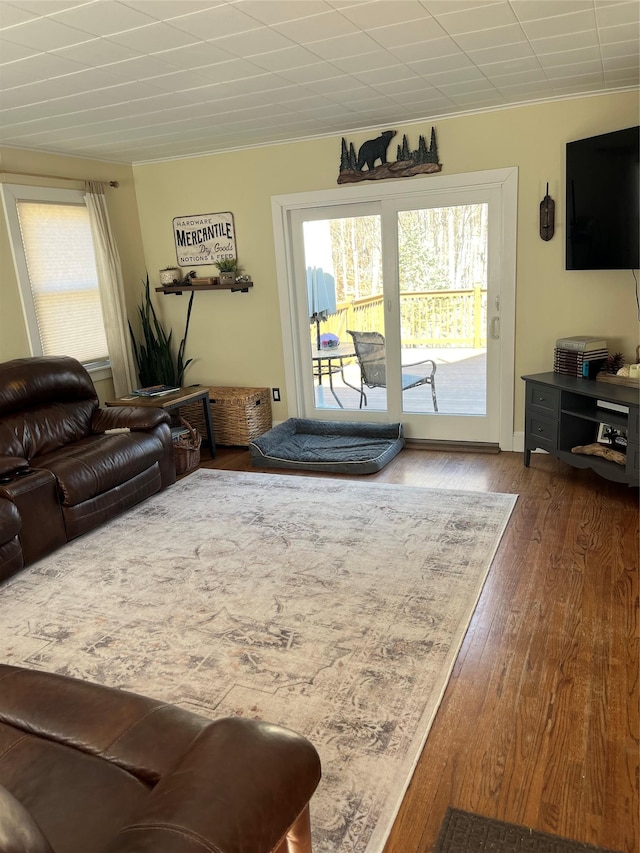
227 278
169 276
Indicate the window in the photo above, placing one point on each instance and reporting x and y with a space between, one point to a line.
54 257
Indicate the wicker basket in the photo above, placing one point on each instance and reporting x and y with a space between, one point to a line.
238 414
186 450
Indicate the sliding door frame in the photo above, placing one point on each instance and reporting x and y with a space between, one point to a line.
282 207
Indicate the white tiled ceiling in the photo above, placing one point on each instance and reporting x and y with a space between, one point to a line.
141 80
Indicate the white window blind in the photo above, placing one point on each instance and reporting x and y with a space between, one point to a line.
61 267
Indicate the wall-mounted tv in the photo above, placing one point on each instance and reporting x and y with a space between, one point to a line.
602 188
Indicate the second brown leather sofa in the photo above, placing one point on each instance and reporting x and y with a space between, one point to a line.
91 769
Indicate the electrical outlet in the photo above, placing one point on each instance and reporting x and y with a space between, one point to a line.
275 393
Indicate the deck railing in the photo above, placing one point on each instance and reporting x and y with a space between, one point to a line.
429 318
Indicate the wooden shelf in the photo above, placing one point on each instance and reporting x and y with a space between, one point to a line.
240 286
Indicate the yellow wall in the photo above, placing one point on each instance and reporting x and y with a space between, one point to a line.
123 214
236 337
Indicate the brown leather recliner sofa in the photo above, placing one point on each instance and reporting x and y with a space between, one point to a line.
91 769
60 466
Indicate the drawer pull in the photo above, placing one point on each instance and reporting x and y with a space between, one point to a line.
540 429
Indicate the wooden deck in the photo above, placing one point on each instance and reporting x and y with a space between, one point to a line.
460 385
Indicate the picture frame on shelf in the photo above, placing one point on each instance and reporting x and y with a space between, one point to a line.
610 436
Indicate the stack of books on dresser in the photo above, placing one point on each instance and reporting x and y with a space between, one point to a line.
580 355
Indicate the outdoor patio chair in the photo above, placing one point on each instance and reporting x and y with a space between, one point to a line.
370 353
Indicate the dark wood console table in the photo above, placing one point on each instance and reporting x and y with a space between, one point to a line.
562 412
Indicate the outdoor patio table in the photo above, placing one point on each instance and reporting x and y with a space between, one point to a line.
331 360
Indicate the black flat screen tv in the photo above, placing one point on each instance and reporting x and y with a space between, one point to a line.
602 188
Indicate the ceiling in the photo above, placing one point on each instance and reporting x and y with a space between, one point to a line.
141 80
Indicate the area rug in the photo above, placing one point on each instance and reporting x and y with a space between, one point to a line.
335 608
464 832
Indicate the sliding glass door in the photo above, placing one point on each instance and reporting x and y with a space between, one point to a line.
398 311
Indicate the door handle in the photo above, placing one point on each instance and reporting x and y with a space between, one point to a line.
495 328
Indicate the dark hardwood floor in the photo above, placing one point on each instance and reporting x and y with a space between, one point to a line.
539 722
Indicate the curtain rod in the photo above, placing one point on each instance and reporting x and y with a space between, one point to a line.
56 177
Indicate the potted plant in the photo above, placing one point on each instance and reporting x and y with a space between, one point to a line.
169 275
154 354
229 269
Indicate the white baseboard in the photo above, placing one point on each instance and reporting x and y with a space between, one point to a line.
517 446
518 442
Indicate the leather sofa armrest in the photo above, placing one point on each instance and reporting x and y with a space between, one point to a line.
129 417
240 786
10 464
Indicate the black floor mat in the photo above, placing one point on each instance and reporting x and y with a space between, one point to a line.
463 832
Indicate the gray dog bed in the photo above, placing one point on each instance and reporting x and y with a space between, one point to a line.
343 448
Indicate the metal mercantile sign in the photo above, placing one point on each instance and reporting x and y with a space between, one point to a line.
204 238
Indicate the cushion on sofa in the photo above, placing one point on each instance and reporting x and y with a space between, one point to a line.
84 516
94 465
48 427
104 796
45 403
42 380
18 831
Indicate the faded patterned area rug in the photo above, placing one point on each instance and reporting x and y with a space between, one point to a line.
331 607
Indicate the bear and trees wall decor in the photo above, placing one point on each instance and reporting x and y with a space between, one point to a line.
423 161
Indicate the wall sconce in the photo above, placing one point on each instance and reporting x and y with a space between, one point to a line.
547 216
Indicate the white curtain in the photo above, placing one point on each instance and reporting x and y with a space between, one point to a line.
111 288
